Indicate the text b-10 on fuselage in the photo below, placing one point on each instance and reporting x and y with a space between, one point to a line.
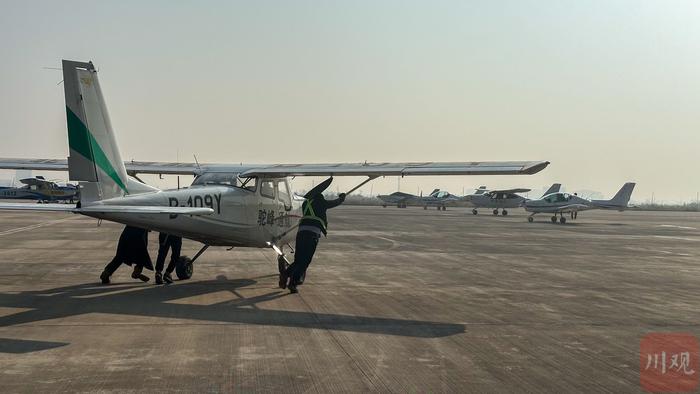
206 200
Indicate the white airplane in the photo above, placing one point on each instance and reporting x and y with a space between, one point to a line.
503 199
437 198
227 205
561 203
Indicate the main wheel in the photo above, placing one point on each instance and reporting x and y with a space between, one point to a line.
425 207
444 208
383 205
474 211
504 212
495 211
184 268
562 220
554 219
530 219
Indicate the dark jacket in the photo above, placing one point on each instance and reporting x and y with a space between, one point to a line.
319 205
133 247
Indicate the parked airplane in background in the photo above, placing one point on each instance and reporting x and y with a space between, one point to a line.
502 199
561 203
41 190
227 205
437 198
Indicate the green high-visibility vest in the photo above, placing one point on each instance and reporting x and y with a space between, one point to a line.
310 214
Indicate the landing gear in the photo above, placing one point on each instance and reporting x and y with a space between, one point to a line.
504 212
425 207
442 207
495 211
530 219
184 267
562 219
383 205
554 219
474 211
401 205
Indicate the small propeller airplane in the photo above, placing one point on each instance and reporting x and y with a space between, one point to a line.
227 204
506 198
41 190
437 198
561 203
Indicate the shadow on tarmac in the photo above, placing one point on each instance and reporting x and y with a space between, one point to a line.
157 301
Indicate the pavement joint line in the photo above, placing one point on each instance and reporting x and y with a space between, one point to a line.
35 226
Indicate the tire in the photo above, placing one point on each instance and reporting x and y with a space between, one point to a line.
495 211
474 211
562 220
504 212
184 268
554 219
530 219
425 207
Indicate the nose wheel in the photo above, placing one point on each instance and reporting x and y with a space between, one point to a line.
495 211
504 212
474 211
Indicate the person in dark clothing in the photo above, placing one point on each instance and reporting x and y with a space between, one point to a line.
313 223
166 242
131 249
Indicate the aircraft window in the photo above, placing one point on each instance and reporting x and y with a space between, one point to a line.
215 178
267 189
225 179
283 193
250 184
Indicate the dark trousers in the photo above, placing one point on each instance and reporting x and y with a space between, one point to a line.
305 248
131 249
166 242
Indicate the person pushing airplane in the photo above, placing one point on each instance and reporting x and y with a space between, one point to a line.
313 222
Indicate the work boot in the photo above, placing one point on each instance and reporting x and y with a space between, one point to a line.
104 277
167 278
138 275
159 278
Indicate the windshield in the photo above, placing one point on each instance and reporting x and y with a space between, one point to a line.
226 179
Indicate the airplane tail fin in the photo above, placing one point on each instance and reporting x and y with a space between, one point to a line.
553 189
619 201
623 195
94 157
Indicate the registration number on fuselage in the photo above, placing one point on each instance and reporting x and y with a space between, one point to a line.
212 201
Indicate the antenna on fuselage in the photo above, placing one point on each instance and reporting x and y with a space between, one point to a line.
196 162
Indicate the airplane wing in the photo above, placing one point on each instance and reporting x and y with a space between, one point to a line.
107 209
132 167
521 190
35 181
399 169
281 170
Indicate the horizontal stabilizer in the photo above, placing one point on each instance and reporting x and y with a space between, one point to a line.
18 206
195 211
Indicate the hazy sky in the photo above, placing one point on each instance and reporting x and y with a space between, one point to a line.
608 91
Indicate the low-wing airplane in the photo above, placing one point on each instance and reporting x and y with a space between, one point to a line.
41 190
502 199
226 205
561 203
437 198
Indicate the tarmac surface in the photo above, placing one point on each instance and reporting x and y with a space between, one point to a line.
396 300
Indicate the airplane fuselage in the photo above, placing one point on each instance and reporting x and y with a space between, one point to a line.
242 217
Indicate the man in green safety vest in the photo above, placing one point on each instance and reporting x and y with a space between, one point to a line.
313 223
